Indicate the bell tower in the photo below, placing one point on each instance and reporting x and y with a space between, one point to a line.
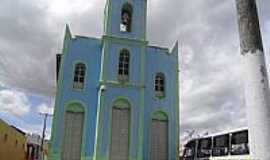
125 19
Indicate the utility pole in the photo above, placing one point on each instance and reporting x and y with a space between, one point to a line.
255 79
46 115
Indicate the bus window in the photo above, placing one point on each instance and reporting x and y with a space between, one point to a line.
239 142
204 148
189 152
221 145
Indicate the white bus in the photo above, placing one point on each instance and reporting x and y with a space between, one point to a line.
232 145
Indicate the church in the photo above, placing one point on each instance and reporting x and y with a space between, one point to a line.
117 96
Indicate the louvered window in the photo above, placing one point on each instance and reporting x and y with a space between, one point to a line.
79 76
160 85
123 67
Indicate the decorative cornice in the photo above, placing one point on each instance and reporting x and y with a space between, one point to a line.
124 40
122 85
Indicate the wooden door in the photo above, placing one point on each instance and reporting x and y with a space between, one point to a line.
159 140
120 134
73 133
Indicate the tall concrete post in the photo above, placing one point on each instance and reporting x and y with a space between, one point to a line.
255 79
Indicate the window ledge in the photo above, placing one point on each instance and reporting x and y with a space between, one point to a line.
160 95
123 79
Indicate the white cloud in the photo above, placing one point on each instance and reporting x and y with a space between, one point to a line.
44 108
14 102
66 7
209 52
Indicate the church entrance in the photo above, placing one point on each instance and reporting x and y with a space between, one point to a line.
159 140
73 132
120 133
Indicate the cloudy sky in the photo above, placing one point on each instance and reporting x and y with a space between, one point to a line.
31 33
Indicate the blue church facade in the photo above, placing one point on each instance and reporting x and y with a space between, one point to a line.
117 97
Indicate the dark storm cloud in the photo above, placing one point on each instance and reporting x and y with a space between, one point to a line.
211 86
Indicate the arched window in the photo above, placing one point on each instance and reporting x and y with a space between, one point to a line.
160 85
79 76
126 18
123 66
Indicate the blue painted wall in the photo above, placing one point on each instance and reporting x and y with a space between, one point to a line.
113 56
88 51
161 60
102 87
111 95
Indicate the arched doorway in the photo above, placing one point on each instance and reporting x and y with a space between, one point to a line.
73 132
159 137
119 148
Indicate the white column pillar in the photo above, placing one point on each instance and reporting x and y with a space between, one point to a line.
255 79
